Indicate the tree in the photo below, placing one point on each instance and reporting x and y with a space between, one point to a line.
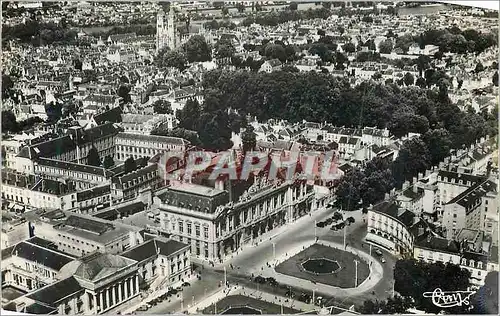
224 49
124 92
485 300
412 278
479 68
439 143
197 49
129 165
367 19
293 6
248 139
495 79
408 78
225 11
77 63
189 115
421 82
241 7
9 123
413 158
93 158
162 107
167 58
108 162
214 131
349 47
273 51
7 85
385 47
326 5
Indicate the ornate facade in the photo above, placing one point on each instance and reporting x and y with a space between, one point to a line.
215 227
165 30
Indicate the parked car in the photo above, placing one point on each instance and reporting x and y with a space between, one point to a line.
340 225
173 291
328 221
350 220
320 224
142 308
290 293
186 284
378 252
259 279
337 216
272 281
304 298
334 227
382 259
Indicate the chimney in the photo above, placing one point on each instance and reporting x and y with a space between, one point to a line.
406 184
43 185
427 173
414 180
420 175
420 231
429 237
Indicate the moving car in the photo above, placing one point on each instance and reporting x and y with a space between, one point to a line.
186 284
382 259
378 252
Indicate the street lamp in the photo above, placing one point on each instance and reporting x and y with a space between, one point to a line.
315 233
274 251
356 273
225 277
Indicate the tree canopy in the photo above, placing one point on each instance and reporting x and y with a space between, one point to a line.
197 49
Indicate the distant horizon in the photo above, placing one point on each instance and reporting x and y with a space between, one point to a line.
489 4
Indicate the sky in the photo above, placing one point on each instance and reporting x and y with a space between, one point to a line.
489 4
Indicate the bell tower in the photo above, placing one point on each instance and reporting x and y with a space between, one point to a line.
165 30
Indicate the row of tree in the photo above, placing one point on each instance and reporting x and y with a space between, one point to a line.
274 18
452 40
11 125
38 33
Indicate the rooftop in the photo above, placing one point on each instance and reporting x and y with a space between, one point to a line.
197 189
154 247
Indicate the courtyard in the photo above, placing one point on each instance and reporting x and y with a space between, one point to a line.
326 265
240 304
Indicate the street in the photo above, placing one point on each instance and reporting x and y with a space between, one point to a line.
250 259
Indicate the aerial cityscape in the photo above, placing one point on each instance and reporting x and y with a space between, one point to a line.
249 157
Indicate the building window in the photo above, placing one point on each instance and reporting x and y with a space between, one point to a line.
189 228
197 230
181 226
205 232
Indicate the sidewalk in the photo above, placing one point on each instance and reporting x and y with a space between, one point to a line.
376 272
266 239
263 296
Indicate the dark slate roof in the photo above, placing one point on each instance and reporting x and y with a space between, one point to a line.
393 210
128 209
494 254
437 243
98 265
154 138
35 253
409 193
72 166
114 116
459 176
152 247
54 292
86 224
93 192
49 148
473 195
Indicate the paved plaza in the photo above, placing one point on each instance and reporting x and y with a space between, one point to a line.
235 301
344 277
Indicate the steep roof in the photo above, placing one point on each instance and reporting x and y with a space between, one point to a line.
35 253
113 115
99 265
54 292
153 247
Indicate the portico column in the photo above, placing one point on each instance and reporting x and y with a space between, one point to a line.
120 297
113 289
106 293
101 300
136 284
227 223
